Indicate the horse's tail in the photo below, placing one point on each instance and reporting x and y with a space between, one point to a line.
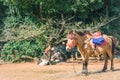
113 46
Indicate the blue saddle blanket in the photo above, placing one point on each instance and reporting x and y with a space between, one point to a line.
98 41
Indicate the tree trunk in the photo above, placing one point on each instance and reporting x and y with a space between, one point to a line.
41 12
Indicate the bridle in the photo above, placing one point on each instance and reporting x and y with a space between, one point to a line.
72 36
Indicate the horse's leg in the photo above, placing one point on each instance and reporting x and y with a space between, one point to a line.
85 64
112 65
111 59
84 69
111 55
105 63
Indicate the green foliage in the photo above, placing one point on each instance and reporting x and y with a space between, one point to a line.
115 7
18 10
2 13
17 49
20 22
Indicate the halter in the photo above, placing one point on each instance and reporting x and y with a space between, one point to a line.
72 38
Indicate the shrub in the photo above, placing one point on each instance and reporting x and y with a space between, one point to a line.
15 50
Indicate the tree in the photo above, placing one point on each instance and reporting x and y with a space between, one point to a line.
22 20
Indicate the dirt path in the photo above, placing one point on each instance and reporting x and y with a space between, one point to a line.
61 71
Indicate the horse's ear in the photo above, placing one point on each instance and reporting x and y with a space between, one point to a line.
74 31
85 31
71 31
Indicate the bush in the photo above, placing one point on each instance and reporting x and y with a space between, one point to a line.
15 50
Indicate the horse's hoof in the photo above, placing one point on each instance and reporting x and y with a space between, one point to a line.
104 70
111 70
85 73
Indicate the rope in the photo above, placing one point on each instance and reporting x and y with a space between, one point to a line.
74 65
74 68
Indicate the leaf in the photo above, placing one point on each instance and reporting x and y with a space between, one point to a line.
92 1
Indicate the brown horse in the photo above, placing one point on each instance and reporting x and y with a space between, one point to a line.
75 38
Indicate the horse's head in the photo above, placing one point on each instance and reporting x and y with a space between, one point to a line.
71 40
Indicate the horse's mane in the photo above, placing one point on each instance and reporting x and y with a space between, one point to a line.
87 32
80 33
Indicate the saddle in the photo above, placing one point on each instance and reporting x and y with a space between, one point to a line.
98 39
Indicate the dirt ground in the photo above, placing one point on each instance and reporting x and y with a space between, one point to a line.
61 71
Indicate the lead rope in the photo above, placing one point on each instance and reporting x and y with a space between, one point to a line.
74 64
74 68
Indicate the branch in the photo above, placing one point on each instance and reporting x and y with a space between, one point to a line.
19 34
71 17
106 22
99 25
